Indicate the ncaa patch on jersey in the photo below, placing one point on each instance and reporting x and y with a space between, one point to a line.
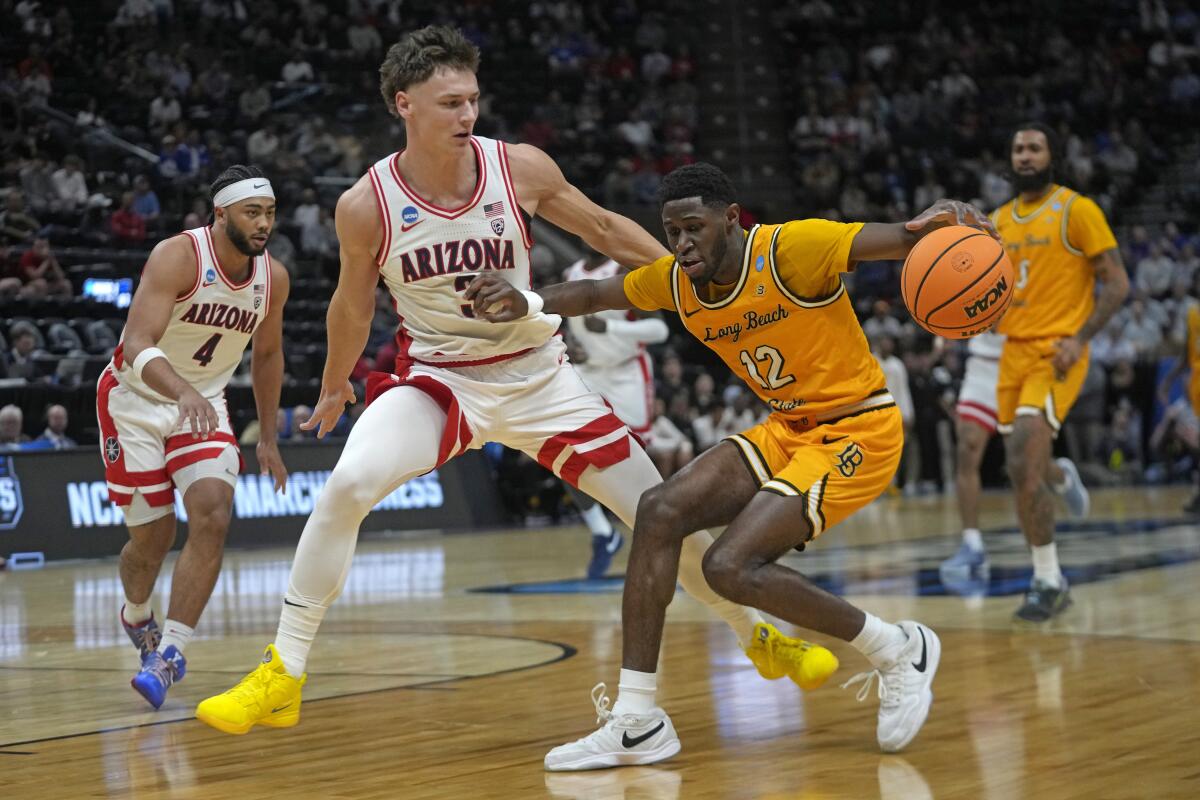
210 276
410 214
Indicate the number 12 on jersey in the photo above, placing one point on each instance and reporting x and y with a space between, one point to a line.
766 355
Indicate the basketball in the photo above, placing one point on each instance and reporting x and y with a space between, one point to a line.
957 282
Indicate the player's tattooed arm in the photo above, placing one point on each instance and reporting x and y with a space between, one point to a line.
880 241
497 300
1114 288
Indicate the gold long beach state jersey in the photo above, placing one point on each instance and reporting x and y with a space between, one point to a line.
787 327
1051 245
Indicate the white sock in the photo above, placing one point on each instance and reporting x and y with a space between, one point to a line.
175 633
1045 564
597 520
635 692
298 626
881 642
136 613
972 538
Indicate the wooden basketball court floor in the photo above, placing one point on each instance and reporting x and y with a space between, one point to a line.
453 662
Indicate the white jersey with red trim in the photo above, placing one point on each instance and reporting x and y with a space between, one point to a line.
210 325
986 345
430 254
604 351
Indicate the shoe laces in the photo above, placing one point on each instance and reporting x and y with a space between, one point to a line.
254 686
161 669
889 687
602 702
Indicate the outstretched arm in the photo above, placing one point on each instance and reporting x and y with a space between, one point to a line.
497 300
879 241
542 189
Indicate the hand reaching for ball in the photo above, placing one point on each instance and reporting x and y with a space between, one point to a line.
952 212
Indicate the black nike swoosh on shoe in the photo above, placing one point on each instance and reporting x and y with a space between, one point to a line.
628 742
920 667
281 708
287 602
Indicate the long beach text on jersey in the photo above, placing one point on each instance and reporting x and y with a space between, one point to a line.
430 254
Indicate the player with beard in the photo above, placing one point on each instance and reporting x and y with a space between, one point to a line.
1060 244
204 295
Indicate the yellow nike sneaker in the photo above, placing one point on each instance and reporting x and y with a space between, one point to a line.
775 655
267 696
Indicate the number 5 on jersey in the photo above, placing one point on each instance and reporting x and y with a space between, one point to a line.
765 354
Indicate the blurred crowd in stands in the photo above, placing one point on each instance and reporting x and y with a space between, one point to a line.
115 120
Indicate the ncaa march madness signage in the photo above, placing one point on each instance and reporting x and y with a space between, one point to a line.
57 502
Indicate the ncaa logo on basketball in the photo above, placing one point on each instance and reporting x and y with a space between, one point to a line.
988 300
409 214
498 226
112 449
849 460
11 504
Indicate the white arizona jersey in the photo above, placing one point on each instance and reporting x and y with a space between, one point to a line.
603 350
986 345
430 255
210 325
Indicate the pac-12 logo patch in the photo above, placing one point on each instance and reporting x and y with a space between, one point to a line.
498 226
409 214
112 449
11 504
849 460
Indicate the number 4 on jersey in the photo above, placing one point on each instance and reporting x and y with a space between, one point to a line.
205 353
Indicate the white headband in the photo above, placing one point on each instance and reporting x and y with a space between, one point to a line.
237 192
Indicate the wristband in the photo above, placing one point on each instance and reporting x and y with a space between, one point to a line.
536 302
144 358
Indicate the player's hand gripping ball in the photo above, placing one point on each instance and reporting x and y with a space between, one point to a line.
957 282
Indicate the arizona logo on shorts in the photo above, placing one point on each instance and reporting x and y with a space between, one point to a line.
112 449
849 460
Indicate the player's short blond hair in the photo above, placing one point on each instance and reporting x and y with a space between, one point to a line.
418 55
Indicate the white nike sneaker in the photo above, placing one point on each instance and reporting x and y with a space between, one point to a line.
904 687
623 740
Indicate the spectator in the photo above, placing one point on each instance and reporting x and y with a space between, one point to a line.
262 144
56 429
669 447
254 101
1142 332
17 225
12 420
308 212
882 323
707 425
165 110
70 185
1155 272
297 70
127 225
145 201
24 350
364 39
41 273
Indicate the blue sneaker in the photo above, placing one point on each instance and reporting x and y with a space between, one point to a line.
966 561
159 671
1078 501
603 550
145 635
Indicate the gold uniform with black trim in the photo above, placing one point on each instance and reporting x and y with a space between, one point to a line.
1051 244
1193 356
787 328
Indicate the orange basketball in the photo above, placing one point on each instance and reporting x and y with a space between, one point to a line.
957 282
